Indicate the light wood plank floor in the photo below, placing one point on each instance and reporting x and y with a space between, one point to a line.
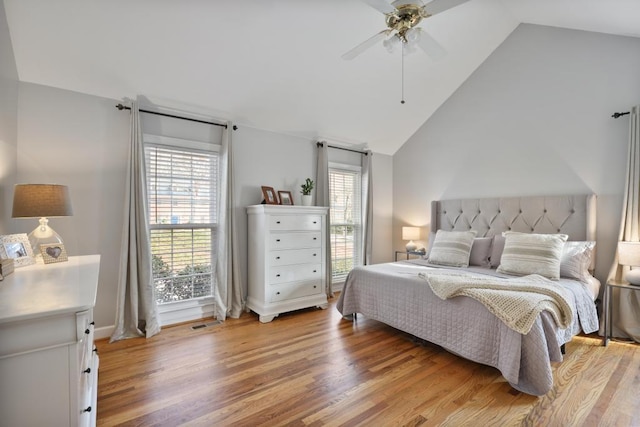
314 368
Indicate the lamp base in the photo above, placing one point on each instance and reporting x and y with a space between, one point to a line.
633 277
411 246
43 235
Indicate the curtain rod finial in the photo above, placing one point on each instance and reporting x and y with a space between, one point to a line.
616 115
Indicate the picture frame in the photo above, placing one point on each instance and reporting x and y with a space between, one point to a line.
285 197
270 195
53 252
18 248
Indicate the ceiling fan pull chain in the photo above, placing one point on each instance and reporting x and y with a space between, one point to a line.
402 77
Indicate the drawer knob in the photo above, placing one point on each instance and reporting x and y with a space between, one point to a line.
88 409
314 254
95 349
87 331
278 293
92 323
277 222
277 275
277 240
87 371
314 286
315 271
315 238
315 222
277 257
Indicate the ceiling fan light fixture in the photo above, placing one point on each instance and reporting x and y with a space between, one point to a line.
413 35
391 43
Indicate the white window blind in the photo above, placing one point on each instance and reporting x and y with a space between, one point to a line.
182 181
346 219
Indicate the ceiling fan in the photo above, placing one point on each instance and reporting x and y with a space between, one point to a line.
402 18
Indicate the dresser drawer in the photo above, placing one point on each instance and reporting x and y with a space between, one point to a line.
294 273
294 290
295 240
295 222
295 256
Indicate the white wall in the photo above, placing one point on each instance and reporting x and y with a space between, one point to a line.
8 121
533 119
81 140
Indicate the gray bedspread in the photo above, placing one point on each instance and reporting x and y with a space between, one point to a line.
393 293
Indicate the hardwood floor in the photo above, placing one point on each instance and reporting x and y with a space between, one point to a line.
314 368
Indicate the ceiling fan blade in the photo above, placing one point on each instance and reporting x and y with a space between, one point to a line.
366 44
381 5
430 46
438 6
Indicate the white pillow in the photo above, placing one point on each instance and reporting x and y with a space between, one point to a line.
532 254
432 238
452 248
576 260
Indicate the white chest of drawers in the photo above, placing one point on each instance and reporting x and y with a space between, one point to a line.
287 263
48 366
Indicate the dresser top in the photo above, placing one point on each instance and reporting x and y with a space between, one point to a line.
286 209
42 290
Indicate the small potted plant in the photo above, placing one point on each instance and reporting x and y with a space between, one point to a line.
306 192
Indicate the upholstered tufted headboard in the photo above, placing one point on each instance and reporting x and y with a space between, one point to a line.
574 215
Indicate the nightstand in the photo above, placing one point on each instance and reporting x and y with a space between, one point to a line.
606 307
416 253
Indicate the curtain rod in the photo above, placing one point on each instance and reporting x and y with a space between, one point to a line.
616 115
366 153
123 107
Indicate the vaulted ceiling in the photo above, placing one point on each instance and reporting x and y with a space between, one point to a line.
276 64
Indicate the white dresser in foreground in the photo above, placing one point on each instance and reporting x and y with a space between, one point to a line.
287 261
48 366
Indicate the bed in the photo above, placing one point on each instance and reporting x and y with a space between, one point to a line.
462 308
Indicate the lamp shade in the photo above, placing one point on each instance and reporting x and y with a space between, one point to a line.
629 253
41 200
410 233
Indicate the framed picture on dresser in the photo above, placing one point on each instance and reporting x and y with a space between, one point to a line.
53 252
270 196
18 248
285 197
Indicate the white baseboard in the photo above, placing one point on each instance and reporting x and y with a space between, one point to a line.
103 332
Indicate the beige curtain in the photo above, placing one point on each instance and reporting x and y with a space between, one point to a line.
228 293
367 208
136 310
626 304
322 199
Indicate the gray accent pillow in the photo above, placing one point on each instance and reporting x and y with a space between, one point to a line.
526 253
576 260
481 251
452 248
496 250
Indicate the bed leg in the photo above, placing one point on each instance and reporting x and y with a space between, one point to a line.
563 350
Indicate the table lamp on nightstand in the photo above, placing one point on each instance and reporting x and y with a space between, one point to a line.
629 254
41 201
411 234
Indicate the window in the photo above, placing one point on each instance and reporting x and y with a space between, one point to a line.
182 180
345 183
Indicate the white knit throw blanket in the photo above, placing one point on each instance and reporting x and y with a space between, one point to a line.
515 301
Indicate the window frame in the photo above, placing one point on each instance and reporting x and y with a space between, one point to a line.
202 306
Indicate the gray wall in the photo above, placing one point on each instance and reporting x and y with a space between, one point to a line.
533 119
8 121
81 140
